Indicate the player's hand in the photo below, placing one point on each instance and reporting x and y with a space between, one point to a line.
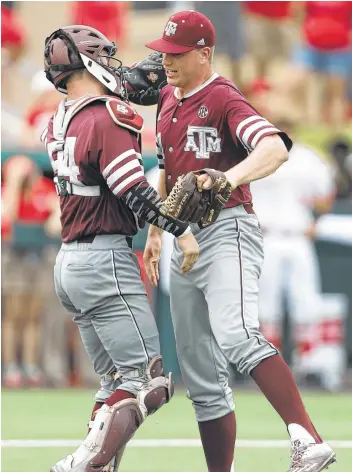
151 257
204 181
190 248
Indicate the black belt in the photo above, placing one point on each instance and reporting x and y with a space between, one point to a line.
90 238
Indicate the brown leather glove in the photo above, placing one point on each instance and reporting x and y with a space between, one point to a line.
186 203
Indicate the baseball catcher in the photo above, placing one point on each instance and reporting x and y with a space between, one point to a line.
188 201
94 144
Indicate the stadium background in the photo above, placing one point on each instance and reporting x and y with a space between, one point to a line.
51 399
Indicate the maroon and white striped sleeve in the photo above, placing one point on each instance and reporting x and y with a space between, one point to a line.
123 172
251 130
120 161
248 127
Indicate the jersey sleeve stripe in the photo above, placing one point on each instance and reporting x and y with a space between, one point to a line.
251 129
117 160
139 157
121 171
245 122
268 131
128 182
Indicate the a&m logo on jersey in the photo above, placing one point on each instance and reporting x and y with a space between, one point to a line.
203 111
170 28
203 141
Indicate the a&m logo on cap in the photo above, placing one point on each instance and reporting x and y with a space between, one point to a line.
170 28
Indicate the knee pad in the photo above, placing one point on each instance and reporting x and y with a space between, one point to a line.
152 394
158 390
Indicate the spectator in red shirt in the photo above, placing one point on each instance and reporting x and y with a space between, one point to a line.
327 54
12 47
28 199
12 35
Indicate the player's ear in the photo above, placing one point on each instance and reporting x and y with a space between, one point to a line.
205 54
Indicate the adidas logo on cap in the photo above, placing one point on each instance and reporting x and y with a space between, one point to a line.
201 42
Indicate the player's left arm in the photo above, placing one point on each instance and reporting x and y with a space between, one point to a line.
266 145
264 160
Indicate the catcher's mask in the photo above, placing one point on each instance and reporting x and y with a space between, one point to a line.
78 47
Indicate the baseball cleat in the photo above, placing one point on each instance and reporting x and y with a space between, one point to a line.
310 457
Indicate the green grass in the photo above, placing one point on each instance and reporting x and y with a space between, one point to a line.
165 460
53 414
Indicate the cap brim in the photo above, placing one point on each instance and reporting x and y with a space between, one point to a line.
161 45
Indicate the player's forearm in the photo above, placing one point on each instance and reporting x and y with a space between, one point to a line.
153 230
145 202
266 158
162 184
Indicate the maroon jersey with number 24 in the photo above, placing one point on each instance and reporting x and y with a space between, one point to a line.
94 147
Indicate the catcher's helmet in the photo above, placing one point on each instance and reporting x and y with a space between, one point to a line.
75 47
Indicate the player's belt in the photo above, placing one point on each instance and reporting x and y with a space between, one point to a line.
90 239
64 187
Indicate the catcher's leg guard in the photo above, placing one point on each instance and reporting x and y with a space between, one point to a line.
126 417
114 426
152 396
114 465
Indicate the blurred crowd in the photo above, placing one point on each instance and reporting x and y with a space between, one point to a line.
292 60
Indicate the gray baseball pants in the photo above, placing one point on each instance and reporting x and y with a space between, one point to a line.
99 284
214 310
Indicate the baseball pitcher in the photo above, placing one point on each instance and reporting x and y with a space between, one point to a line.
211 144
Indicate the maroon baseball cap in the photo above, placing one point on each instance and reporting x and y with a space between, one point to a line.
185 31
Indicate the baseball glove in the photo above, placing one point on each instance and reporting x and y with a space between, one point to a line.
145 79
186 203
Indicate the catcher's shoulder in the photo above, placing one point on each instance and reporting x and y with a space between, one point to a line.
100 110
124 115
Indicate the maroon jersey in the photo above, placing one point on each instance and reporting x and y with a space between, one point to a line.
95 160
213 126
